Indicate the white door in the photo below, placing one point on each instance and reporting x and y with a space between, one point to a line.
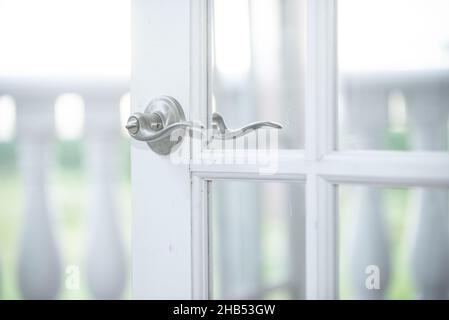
242 218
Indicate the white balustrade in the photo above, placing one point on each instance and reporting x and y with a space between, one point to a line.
106 261
39 261
368 241
428 109
39 267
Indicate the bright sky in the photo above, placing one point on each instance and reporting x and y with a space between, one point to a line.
92 37
393 34
65 37
55 38
373 35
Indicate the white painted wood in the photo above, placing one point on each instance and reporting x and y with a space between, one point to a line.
387 168
171 203
201 261
321 78
321 84
162 263
375 167
321 244
39 268
106 263
199 101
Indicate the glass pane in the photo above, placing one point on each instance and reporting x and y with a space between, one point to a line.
257 64
394 243
394 74
257 240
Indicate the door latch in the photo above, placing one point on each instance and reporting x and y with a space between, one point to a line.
163 125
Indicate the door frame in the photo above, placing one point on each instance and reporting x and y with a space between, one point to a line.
320 165
294 165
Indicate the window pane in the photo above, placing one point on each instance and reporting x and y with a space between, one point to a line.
394 243
394 74
257 64
257 240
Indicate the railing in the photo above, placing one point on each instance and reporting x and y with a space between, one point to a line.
40 266
426 96
41 270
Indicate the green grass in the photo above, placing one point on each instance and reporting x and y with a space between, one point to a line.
10 207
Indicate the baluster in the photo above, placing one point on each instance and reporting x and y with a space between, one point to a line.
238 219
39 268
429 256
368 246
106 261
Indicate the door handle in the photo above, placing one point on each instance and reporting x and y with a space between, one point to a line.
224 133
157 125
150 127
164 115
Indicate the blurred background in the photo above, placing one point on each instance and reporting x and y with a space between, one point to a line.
65 208
393 95
65 211
393 59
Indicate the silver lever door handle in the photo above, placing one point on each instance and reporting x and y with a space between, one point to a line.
224 133
150 127
163 117
162 125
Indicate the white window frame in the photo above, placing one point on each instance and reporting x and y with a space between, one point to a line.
320 165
